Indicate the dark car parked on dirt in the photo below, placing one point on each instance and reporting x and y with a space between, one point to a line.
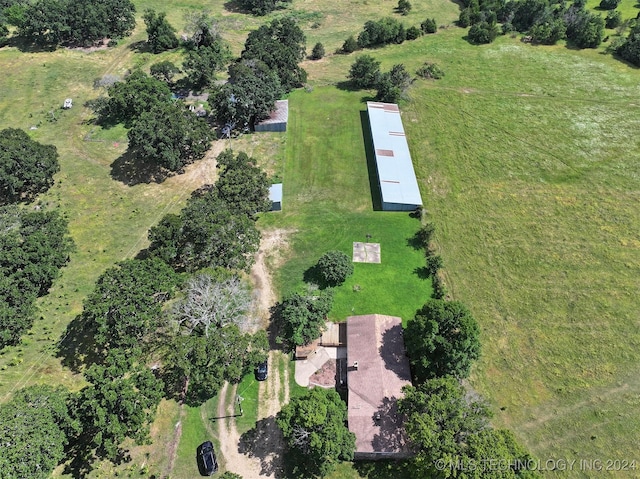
207 463
261 371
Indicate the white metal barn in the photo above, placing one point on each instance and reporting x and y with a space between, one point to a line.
398 185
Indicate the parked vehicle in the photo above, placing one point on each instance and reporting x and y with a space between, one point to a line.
261 372
207 462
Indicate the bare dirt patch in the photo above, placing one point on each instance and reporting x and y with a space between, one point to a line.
272 247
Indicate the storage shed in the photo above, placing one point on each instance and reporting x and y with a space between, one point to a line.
275 195
277 121
398 185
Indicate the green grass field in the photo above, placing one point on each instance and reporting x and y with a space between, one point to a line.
527 158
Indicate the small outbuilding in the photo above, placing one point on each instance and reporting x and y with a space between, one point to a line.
68 103
278 118
275 195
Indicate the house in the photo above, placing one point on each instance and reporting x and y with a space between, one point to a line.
278 118
275 195
377 370
397 179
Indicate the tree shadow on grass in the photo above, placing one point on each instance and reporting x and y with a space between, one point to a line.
374 181
422 272
77 348
347 85
131 170
383 469
26 46
235 6
264 442
140 47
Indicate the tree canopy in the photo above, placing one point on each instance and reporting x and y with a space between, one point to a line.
629 50
120 403
442 339
34 247
198 364
314 429
334 267
126 303
170 136
365 72
161 35
281 46
381 32
206 234
249 96
204 61
242 184
26 166
84 22
34 430
129 99
261 7
302 316
450 434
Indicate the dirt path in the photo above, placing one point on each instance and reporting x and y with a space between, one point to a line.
257 454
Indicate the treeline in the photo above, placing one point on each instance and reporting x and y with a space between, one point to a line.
182 306
70 22
386 31
543 21
34 244
448 431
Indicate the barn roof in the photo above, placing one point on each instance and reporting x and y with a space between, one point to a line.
280 113
275 192
397 177
376 343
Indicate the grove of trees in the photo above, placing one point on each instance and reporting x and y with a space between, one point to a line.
281 46
450 432
73 22
35 245
26 166
546 22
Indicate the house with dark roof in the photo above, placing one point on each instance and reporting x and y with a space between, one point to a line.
377 370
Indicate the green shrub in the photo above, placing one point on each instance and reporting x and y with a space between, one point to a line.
318 51
334 267
430 70
429 25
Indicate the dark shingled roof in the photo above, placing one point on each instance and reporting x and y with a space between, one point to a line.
376 343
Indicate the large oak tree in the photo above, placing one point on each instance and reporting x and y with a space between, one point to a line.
26 166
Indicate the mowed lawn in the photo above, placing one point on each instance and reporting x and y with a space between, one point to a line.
328 202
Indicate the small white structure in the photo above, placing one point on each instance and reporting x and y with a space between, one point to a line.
68 103
275 195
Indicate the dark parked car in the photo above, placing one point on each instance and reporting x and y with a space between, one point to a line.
261 371
207 462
